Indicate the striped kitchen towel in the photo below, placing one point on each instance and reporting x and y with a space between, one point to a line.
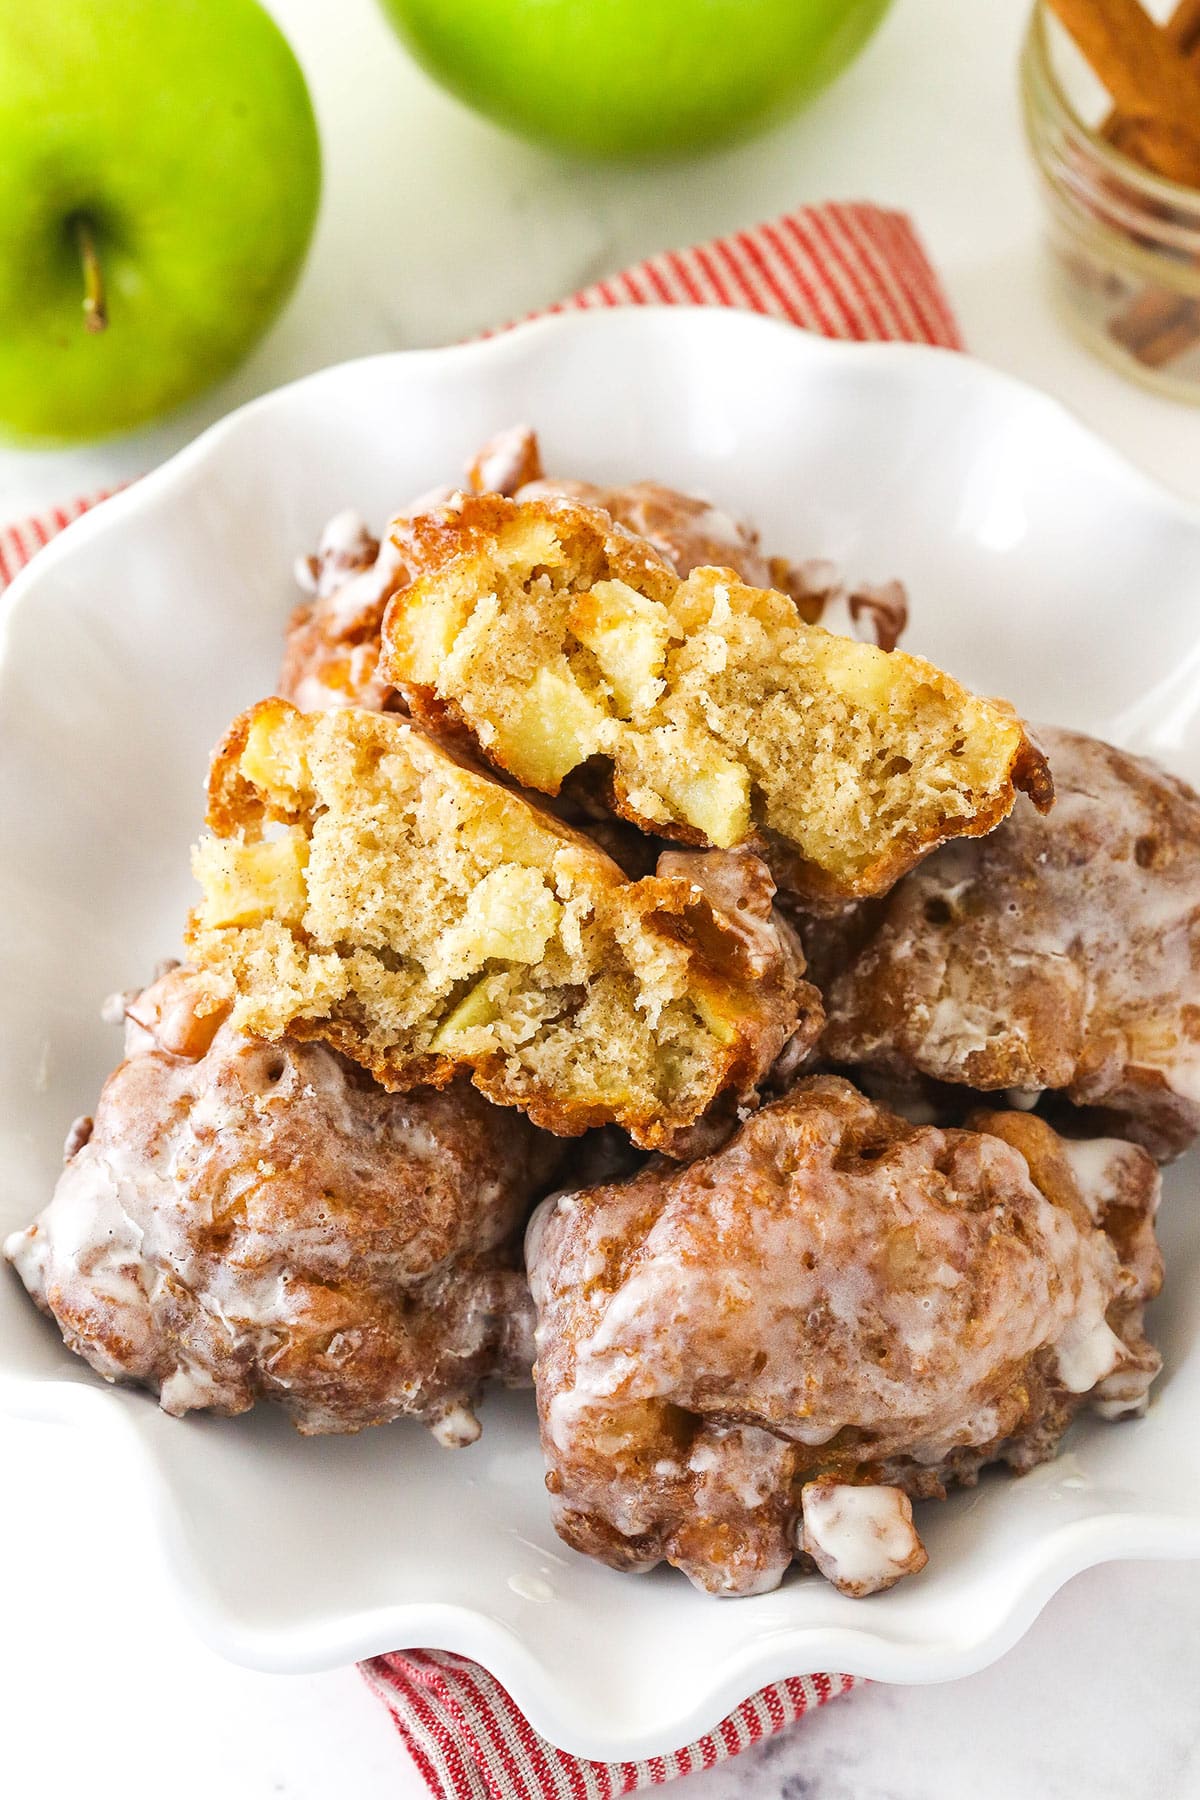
471 1741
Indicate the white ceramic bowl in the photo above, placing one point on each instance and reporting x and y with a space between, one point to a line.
1040 567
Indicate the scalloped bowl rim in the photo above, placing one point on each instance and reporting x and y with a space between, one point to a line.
862 1649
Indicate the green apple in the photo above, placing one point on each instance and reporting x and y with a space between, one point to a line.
159 179
630 78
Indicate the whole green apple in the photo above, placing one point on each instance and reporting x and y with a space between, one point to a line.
631 78
159 179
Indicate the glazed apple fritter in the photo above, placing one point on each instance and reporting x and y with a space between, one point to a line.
1059 955
776 1348
248 1220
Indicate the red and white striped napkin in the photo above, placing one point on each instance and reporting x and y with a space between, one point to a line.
847 271
22 540
471 1741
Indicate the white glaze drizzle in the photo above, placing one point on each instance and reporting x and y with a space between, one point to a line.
861 1538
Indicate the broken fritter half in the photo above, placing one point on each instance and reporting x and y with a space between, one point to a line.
364 887
707 710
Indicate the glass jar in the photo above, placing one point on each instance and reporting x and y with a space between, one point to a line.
1124 243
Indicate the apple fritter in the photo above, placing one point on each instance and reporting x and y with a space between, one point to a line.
247 1220
1059 955
771 1352
718 715
365 887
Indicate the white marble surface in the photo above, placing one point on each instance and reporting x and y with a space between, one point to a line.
434 225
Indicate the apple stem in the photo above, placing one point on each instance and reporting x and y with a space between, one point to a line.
95 310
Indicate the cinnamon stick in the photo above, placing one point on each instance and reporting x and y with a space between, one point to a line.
1182 33
1150 81
1157 326
1152 73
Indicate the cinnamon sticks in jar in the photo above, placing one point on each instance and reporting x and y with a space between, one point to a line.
1148 72
1151 72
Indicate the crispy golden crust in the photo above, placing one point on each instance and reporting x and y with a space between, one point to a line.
230 796
835 1298
687 532
818 890
424 920
246 1220
561 641
469 527
1059 955
694 534
331 650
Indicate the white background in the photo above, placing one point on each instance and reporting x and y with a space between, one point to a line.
434 226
